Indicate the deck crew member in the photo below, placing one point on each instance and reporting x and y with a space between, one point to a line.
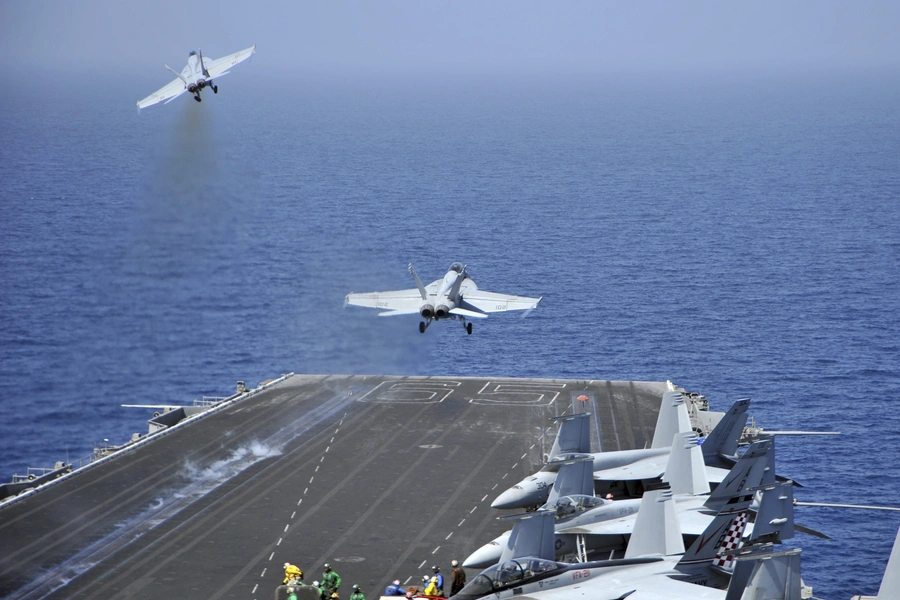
440 579
432 589
457 578
331 581
357 595
320 589
292 574
394 589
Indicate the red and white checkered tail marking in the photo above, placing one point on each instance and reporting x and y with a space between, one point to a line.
731 542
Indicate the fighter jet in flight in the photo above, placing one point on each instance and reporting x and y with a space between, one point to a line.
198 74
454 297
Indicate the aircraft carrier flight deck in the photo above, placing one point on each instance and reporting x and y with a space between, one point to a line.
382 477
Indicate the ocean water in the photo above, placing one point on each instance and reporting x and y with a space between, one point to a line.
739 236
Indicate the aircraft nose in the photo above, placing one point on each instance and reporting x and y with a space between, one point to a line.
515 497
484 557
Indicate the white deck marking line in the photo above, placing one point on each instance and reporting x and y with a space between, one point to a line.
504 475
317 469
448 535
332 440
410 577
530 448
271 555
494 488
420 566
286 527
321 460
514 466
278 543
435 550
311 478
299 501
254 588
526 454
473 509
485 498
327 448
461 522
263 574
293 514
306 490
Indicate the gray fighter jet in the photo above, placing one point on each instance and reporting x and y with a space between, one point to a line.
655 565
631 465
608 523
454 297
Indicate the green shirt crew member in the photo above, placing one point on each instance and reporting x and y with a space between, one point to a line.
331 581
357 595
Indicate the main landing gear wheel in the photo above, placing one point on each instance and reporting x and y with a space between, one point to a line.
197 98
469 328
215 89
421 326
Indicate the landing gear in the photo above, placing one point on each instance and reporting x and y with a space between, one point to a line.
469 328
215 88
421 326
197 97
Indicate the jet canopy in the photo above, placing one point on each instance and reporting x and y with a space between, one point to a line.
458 267
510 573
569 506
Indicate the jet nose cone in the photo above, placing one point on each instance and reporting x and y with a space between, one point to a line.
484 557
514 497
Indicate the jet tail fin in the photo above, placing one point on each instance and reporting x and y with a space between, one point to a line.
775 518
713 551
673 418
178 75
532 535
685 471
574 435
422 292
724 437
575 476
771 575
749 472
656 530
890 583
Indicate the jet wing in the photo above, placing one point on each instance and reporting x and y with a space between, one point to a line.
489 302
163 94
646 468
397 302
220 66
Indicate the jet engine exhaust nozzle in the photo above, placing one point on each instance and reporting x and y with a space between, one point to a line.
442 311
427 311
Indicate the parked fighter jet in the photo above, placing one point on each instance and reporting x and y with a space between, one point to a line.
198 74
639 464
578 512
652 567
454 297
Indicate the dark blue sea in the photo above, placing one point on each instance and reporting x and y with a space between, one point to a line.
737 235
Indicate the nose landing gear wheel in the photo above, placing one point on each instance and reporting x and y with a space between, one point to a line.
197 98
469 328
421 326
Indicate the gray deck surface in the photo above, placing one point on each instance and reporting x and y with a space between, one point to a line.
380 476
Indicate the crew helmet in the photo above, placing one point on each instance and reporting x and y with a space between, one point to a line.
356 587
435 568
327 567
454 563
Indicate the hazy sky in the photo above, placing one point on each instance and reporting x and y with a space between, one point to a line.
456 36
